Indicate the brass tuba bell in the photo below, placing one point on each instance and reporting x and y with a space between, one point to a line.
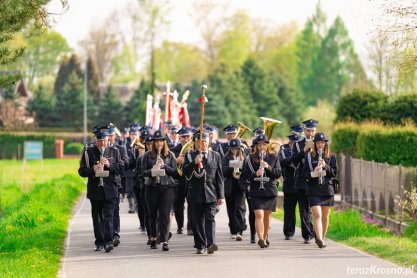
241 130
188 146
269 125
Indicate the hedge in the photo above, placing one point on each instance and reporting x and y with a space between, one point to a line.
376 142
73 148
10 142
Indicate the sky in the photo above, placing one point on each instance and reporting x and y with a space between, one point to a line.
359 16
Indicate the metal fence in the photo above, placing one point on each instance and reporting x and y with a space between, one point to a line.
374 186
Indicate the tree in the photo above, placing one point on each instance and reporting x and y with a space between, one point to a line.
335 67
69 102
124 66
235 43
135 109
264 99
68 66
290 97
43 107
101 44
180 62
43 54
93 80
110 108
15 17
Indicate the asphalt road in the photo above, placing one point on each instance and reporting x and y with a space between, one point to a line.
133 258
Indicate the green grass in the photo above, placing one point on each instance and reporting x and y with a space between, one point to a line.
14 180
347 227
33 228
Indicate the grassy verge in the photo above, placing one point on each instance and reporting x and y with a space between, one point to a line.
347 227
14 180
33 228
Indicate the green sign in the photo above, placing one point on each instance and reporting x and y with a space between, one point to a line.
33 150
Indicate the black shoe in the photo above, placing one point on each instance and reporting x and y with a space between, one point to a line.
320 243
200 251
252 239
179 231
266 243
306 241
142 229
245 227
116 242
212 248
108 248
261 243
153 244
288 237
99 248
131 211
165 246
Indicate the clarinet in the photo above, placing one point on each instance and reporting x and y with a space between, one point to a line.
321 178
101 183
158 157
262 179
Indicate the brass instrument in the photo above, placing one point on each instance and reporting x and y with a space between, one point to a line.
137 144
262 179
269 125
241 130
189 145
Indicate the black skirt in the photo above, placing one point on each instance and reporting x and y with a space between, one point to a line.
327 201
264 203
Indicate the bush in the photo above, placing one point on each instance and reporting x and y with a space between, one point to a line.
376 142
395 145
344 138
12 143
73 148
400 108
360 106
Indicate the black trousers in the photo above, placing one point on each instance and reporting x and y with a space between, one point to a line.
290 203
180 194
145 211
203 223
102 212
140 206
160 200
307 230
235 204
251 215
116 218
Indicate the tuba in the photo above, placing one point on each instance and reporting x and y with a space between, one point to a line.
189 145
137 144
269 125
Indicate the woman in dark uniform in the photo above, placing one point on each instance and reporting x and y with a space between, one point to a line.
261 171
319 169
233 192
159 191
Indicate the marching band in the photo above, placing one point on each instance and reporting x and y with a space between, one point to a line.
167 172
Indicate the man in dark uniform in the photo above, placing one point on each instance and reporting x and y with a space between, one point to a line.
102 192
206 190
290 194
181 186
230 130
214 144
125 160
129 174
299 150
173 137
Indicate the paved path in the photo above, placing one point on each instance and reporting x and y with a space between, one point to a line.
133 258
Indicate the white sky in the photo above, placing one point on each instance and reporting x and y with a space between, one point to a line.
358 15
